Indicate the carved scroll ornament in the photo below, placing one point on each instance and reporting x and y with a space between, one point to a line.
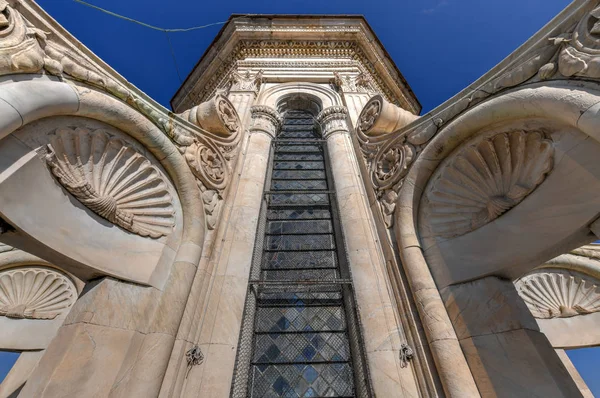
113 180
35 293
216 115
483 180
559 294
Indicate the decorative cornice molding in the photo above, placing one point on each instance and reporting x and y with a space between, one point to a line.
35 293
281 49
113 180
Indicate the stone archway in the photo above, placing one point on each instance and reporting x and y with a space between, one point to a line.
149 316
547 130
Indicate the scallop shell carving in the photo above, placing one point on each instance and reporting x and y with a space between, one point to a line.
35 293
113 180
486 179
559 295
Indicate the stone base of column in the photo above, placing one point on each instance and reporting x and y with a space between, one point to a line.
507 354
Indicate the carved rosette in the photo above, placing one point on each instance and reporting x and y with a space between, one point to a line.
558 293
113 180
483 180
265 119
207 164
35 293
333 120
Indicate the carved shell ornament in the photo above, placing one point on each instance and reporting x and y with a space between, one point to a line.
559 294
35 293
484 180
113 180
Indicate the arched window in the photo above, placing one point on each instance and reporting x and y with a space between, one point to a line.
300 336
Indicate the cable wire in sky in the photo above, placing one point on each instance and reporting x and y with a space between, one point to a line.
145 24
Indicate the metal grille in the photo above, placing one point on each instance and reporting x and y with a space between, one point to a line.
299 305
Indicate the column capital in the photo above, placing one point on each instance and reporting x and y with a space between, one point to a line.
333 119
265 119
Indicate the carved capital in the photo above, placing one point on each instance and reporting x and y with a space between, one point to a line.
332 120
216 115
265 119
246 81
347 83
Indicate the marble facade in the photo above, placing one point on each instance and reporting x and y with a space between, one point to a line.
128 232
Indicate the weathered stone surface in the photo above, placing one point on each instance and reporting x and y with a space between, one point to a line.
517 363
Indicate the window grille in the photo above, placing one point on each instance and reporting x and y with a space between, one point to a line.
299 336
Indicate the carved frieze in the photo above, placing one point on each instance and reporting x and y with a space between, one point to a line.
334 50
113 180
35 293
556 293
484 179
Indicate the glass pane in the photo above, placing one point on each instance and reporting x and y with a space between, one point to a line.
299 227
314 380
300 213
299 242
299 185
307 259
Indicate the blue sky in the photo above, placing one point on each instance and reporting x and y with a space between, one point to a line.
440 46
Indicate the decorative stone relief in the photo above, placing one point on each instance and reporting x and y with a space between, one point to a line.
353 83
580 55
265 119
574 52
246 81
216 115
483 180
113 180
387 160
35 293
559 294
337 51
332 120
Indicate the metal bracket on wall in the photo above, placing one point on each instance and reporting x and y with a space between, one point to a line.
406 354
194 357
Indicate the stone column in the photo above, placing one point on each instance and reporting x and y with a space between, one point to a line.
219 333
382 330
243 91
507 354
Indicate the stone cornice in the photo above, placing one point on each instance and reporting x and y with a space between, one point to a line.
259 36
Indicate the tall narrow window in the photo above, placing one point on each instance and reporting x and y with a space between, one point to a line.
300 336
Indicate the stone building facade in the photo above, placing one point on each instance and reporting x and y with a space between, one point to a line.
293 227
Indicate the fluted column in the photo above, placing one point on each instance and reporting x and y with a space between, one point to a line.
382 331
220 331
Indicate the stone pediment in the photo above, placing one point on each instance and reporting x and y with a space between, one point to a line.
298 44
